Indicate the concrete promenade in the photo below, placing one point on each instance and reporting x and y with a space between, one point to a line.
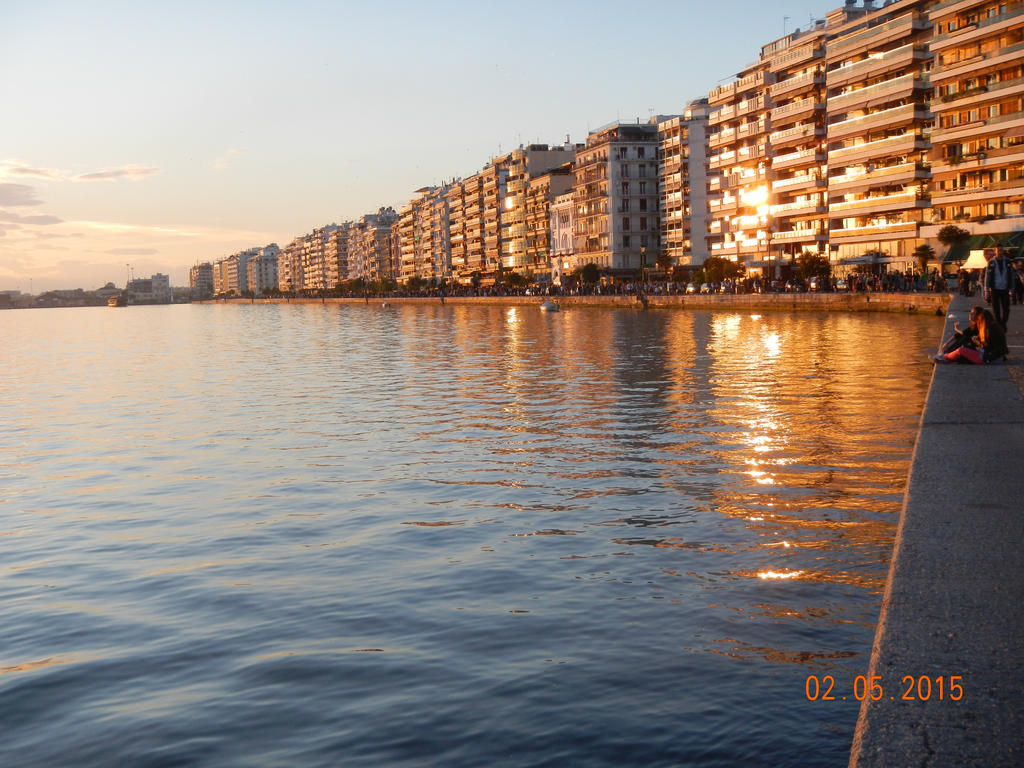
914 303
954 601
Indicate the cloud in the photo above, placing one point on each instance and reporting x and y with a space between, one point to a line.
132 251
223 162
15 168
131 172
42 219
18 194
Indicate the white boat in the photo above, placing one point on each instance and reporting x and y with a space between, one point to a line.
549 306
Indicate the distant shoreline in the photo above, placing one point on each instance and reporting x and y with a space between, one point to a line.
934 304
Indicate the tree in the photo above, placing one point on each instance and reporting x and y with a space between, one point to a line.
924 253
664 261
590 273
515 279
415 283
951 235
716 269
812 265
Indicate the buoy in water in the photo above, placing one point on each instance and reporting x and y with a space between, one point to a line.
549 306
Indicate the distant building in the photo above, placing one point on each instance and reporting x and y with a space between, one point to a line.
563 260
153 290
262 270
200 280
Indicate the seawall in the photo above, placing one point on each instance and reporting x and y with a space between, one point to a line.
914 303
953 608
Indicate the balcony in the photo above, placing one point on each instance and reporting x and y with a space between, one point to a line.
721 115
859 180
897 88
900 144
797 208
723 137
795 56
755 81
810 180
877 65
974 96
722 93
968 195
795 135
900 229
809 156
796 110
972 64
887 118
1003 123
874 37
806 81
879 203
791 235
752 105
981 29
985 159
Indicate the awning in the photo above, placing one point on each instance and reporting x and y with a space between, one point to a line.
1017 130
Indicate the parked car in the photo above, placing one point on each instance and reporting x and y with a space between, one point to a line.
691 288
818 283
705 288
842 285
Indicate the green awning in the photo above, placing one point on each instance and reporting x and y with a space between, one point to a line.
1012 241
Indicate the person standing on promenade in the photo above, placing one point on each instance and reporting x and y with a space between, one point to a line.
999 278
1018 284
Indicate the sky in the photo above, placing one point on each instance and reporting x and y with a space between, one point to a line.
143 137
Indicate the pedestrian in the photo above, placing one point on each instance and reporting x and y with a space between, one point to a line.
999 276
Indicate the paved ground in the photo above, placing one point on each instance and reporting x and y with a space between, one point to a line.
954 603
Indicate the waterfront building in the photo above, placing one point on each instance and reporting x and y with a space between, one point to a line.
683 185
494 182
371 253
541 194
336 255
423 241
561 224
152 290
615 192
289 267
739 160
978 137
525 201
454 200
200 280
797 215
878 119
262 270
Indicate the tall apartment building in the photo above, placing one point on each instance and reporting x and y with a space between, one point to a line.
615 192
978 137
683 185
797 198
837 116
371 248
561 226
878 118
423 236
289 266
739 159
336 255
494 178
200 280
455 201
262 270
525 164
541 193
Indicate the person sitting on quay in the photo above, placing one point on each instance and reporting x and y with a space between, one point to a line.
986 346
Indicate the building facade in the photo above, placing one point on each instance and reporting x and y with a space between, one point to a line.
200 280
683 185
615 192
978 137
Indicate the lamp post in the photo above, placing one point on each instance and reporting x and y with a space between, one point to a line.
643 264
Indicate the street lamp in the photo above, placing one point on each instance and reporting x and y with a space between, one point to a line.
643 264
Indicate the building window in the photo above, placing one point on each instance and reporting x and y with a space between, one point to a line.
640 152
643 204
625 241
643 187
625 223
643 222
625 171
625 187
